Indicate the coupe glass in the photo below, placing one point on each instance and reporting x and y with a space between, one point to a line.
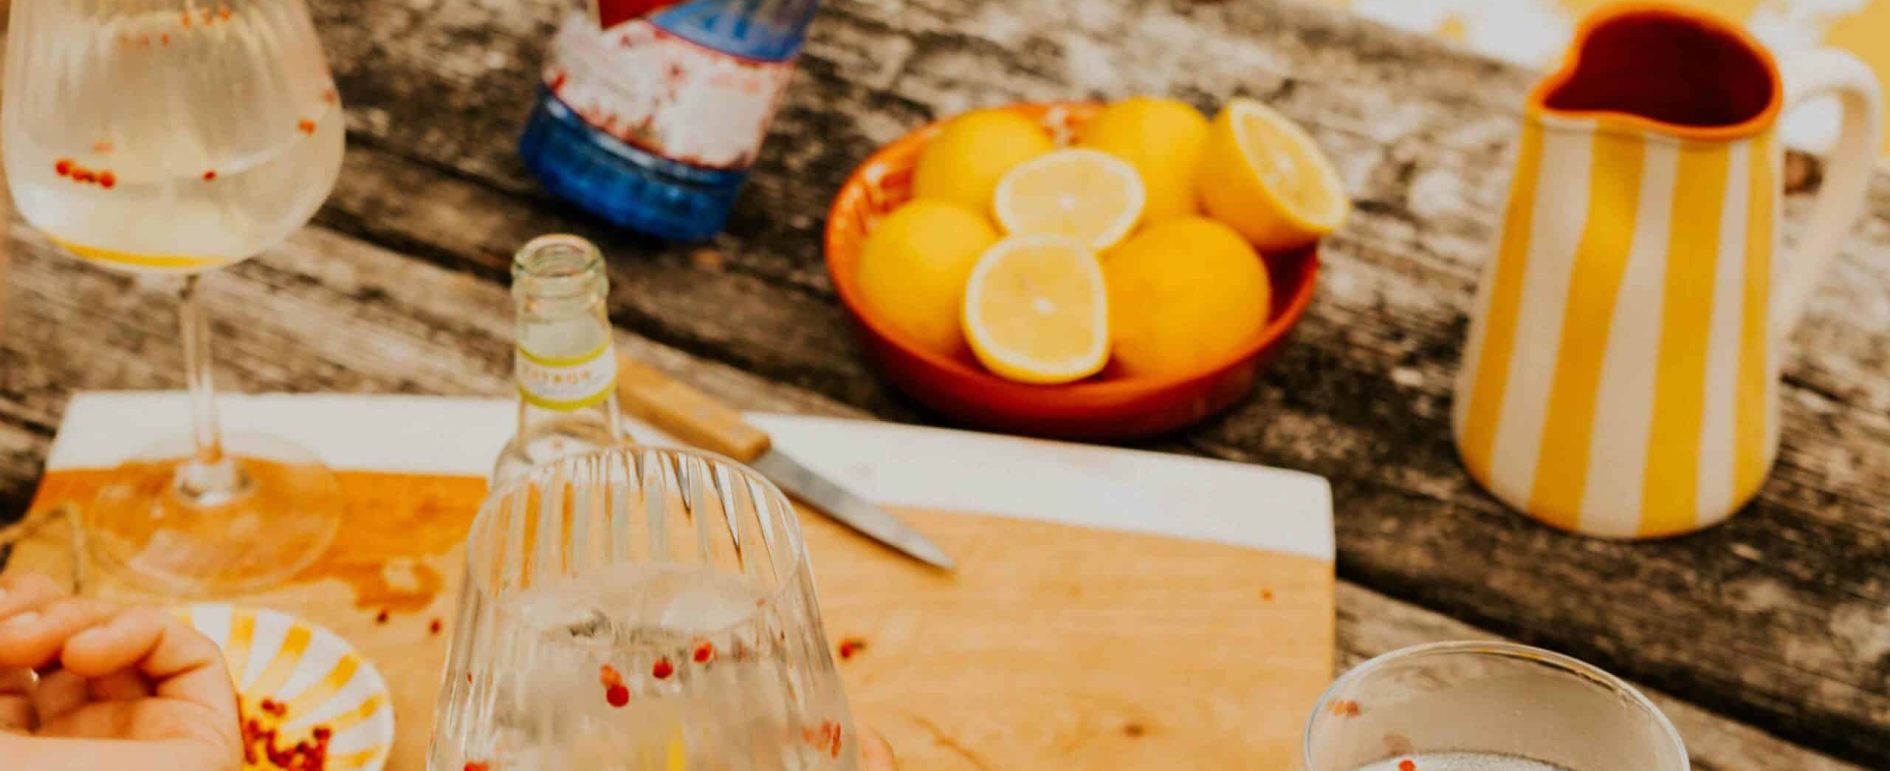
177 137
1475 706
639 608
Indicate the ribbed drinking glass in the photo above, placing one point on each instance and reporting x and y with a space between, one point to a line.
640 608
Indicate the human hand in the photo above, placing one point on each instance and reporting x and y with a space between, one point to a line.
118 687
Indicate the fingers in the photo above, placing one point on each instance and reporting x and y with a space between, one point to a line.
178 661
122 685
21 593
58 693
62 691
26 592
126 653
116 644
33 638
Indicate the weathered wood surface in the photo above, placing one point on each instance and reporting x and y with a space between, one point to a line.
330 313
1781 617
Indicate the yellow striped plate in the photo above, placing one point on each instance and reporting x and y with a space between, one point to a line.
314 672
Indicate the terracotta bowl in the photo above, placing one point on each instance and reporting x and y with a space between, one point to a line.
1105 406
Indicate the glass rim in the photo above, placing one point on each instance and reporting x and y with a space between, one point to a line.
795 574
580 275
1497 648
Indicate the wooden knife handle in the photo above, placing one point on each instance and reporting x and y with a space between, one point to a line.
686 413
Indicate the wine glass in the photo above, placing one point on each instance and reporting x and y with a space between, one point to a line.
177 137
640 608
1477 706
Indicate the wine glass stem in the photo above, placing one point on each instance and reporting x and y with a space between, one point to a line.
209 477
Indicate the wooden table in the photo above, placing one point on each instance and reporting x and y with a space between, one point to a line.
1766 639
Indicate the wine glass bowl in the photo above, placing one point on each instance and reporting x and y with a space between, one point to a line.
168 136
177 137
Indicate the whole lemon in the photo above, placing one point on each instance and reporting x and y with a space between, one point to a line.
914 267
965 161
1162 139
1183 295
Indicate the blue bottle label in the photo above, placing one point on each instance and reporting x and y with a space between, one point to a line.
663 93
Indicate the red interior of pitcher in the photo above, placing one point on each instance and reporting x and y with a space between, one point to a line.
1672 70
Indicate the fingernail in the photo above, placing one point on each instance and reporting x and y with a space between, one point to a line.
87 637
21 621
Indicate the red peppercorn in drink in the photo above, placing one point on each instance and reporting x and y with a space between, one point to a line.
1486 706
1461 761
680 632
608 652
129 192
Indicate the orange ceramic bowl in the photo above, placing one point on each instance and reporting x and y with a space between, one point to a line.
1106 406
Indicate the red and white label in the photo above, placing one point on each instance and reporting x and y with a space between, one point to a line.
664 94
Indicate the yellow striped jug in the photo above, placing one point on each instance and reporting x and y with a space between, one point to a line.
1619 378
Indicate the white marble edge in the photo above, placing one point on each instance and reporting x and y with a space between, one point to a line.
1125 490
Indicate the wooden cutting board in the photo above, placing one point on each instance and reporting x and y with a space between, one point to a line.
1111 610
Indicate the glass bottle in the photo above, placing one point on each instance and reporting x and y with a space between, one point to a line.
651 112
565 363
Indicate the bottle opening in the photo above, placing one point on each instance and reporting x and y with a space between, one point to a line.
557 264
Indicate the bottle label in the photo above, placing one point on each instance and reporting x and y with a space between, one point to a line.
663 94
568 383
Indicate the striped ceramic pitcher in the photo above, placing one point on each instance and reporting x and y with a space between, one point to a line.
1619 376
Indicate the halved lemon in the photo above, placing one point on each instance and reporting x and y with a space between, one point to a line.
1089 195
1036 310
1262 175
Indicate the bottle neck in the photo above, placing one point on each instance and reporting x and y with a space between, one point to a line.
565 364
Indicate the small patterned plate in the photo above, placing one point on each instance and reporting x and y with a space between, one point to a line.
309 676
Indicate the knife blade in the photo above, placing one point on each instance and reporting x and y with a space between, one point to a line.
698 419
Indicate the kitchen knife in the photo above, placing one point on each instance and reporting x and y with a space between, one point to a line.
698 419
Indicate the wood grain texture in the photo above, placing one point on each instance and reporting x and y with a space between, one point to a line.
1781 616
327 312
1052 650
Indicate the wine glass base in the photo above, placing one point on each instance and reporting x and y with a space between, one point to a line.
146 526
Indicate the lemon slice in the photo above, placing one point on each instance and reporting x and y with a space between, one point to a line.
1162 138
1262 174
155 262
964 162
1089 195
1036 310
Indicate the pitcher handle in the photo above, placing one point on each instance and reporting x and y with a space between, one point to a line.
1847 169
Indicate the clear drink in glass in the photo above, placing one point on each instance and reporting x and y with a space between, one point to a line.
640 608
220 136
1486 706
